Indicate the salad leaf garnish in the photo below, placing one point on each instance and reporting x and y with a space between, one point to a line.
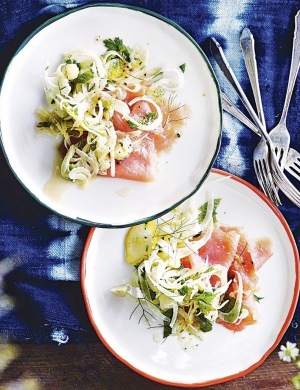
205 324
118 46
229 305
44 124
84 77
209 269
150 116
185 290
203 210
231 310
132 125
81 144
167 328
69 61
182 67
94 146
205 302
258 299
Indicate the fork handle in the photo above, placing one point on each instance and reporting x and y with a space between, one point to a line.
234 111
295 63
221 60
247 46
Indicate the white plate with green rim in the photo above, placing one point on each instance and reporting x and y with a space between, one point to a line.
31 156
223 355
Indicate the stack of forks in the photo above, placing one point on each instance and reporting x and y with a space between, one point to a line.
272 153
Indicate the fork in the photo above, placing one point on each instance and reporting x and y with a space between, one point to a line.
260 154
280 135
292 164
279 178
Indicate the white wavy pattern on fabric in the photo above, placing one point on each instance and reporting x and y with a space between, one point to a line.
67 249
228 25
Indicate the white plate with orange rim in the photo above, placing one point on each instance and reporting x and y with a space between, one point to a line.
223 355
31 156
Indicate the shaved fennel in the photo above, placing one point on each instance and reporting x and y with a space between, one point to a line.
85 96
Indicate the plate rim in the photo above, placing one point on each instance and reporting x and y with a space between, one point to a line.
281 333
212 74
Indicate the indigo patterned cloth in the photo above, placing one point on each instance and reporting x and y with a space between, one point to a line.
40 252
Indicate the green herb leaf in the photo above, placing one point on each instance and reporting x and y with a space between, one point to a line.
44 124
169 313
47 68
145 120
203 210
118 46
69 61
204 300
183 290
81 144
205 324
132 125
182 67
231 310
156 74
150 116
167 329
229 305
94 146
144 288
209 269
258 299
84 77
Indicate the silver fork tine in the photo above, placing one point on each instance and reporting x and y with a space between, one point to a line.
292 164
261 151
262 171
233 110
286 186
259 176
292 171
269 182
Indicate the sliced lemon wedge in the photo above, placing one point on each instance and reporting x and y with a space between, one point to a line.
140 242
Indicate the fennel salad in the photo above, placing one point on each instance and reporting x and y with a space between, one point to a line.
192 272
166 288
110 107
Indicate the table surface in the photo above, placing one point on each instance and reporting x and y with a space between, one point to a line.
92 366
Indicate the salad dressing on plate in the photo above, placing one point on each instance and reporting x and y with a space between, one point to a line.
56 186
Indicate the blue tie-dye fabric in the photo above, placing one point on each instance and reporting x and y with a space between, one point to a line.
40 293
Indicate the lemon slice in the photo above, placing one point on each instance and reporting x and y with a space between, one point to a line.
140 242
